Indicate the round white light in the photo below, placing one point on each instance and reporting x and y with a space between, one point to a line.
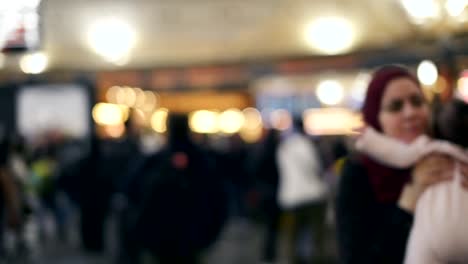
281 119
140 97
455 7
331 35
112 39
150 101
159 119
330 92
204 121
231 121
130 96
108 114
253 119
421 10
427 73
252 129
111 94
34 63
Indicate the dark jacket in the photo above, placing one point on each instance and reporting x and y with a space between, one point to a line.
368 231
180 212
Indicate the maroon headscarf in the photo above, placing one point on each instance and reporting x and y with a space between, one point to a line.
386 182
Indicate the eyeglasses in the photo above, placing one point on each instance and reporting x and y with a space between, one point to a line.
397 105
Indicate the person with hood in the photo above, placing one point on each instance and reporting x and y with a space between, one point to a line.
179 199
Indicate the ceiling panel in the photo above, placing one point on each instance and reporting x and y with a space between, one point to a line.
180 32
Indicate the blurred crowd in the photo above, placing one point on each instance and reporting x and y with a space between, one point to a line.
170 197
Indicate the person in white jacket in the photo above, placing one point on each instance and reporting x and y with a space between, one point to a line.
302 191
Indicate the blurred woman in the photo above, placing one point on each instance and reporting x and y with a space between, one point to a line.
375 203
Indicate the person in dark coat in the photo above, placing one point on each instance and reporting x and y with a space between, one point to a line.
180 202
264 177
93 201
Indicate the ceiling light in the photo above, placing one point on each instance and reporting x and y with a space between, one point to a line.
455 7
111 94
204 121
330 92
231 121
34 63
140 97
150 100
108 114
130 96
427 73
253 119
422 10
330 35
112 39
159 120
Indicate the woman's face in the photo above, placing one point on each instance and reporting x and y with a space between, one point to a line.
404 113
